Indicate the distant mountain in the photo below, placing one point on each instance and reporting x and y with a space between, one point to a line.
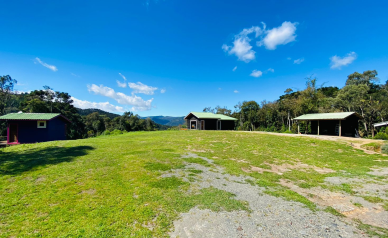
85 112
168 121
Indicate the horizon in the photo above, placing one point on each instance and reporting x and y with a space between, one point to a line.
170 57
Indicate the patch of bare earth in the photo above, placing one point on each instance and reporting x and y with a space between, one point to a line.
282 168
368 213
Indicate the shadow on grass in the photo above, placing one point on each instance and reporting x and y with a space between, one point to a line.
17 162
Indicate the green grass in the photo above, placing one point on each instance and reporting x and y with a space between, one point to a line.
374 146
373 199
333 211
112 186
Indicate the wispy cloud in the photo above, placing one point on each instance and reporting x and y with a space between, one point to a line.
337 62
270 70
256 73
138 103
142 88
235 91
235 68
72 74
298 61
125 79
52 67
105 106
162 90
121 85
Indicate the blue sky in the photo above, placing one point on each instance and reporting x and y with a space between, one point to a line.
176 56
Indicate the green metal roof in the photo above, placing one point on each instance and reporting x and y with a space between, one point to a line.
326 116
209 115
29 116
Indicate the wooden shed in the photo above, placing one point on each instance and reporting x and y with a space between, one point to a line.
35 127
334 124
209 121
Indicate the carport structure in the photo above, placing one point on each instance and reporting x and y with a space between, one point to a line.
334 124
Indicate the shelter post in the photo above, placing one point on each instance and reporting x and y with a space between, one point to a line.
318 127
298 128
339 129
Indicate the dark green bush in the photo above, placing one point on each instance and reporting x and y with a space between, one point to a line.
381 136
384 148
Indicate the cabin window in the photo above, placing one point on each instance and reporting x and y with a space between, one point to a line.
41 124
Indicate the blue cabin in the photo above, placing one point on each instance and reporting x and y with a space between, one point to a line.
35 127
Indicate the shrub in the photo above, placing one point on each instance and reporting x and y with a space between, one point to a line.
106 133
116 132
381 136
384 148
90 133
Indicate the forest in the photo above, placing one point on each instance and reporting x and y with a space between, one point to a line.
85 123
363 93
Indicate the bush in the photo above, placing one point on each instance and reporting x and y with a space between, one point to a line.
288 131
384 148
116 132
381 136
90 133
106 133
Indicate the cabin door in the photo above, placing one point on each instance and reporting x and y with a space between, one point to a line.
202 125
13 133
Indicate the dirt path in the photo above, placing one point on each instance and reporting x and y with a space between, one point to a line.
269 216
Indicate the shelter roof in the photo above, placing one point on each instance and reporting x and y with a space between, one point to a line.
326 116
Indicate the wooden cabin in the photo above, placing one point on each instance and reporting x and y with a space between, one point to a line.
209 121
35 127
333 124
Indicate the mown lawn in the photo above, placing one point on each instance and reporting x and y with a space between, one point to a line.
111 186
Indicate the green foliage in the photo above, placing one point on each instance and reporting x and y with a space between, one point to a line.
384 148
372 146
373 199
381 136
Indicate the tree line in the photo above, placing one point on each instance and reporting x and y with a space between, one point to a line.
49 101
362 93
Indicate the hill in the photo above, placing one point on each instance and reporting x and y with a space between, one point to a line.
167 120
85 112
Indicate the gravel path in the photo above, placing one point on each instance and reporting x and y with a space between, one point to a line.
270 216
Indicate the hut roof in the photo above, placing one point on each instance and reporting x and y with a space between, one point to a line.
326 116
32 116
209 115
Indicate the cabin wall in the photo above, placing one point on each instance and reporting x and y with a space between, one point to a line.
28 131
210 124
193 118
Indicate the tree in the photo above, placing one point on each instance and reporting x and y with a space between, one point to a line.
6 87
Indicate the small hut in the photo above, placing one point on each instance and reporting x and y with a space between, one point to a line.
334 124
209 121
35 127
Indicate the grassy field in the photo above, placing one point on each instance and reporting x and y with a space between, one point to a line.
112 186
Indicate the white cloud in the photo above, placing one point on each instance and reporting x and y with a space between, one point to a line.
125 79
137 102
105 106
142 88
162 90
281 35
52 67
288 58
242 48
256 73
298 61
337 62
271 70
75 75
121 85
234 69
235 91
